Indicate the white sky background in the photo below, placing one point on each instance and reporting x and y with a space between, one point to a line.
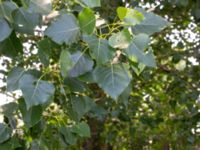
174 36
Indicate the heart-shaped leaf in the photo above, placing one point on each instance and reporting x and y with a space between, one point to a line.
100 49
151 24
13 78
112 79
64 30
35 92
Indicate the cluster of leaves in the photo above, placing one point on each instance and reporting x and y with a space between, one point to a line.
88 82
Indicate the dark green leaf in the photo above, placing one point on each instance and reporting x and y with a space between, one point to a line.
12 46
66 63
74 85
35 91
44 51
9 109
99 49
13 78
31 116
87 20
5 132
5 30
82 129
12 144
64 30
112 79
80 106
69 137
25 22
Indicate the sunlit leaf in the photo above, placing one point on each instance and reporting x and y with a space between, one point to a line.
87 20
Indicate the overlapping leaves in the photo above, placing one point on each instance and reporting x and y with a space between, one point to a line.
100 50
91 57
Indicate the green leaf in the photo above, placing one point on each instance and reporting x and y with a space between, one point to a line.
11 144
64 30
65 63
92 3
44 51
12 46
81 64
130 16
5 30
124 97
87 20
121 39
74 65
141 41
151 24
31 116
88 77
99 49
13 78
69 137
82 129
9 109
135 51
74 85
25 22
5 132
35 92
138 69
6 9
39 6
112 79
80 106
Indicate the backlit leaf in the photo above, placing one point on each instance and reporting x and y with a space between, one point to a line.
87 20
